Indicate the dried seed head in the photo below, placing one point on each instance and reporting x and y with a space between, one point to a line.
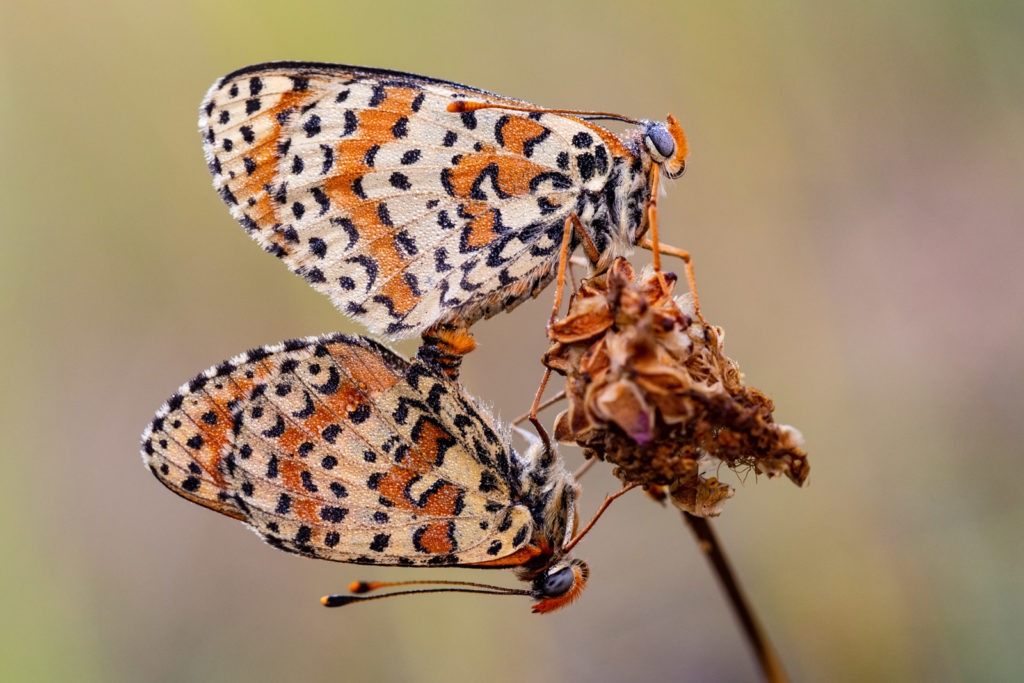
651 391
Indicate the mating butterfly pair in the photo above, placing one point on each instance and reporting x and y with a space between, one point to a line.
419 206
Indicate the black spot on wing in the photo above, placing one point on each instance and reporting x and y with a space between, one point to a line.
380 93
582 140
328 162
312 126
322 200
559 181
441 264
401 127
530 144
586 163
405 242
399 181
601 158
384 215
318 246
489 172
350 229
331 385
498 126
371 155
357 187
446 183
351 123
369 265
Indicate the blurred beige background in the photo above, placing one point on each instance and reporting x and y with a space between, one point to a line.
854 204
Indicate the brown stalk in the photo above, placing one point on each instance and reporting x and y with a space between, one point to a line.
765 654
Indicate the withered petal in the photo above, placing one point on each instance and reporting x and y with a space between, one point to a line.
621 402
583 322
595 360
705 498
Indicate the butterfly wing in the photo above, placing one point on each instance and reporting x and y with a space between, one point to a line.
186 441
334 447
404 213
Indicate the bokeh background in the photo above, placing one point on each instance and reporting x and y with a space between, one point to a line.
855 206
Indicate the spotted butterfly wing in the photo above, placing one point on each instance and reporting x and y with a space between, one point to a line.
404 213
334 447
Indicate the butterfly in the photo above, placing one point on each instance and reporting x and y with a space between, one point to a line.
333 447
416 203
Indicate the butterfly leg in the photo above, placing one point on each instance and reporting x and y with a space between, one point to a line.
654 245
652 217
534 420
443 347
571 223
588 244
546 404
563 257
600 511
682 254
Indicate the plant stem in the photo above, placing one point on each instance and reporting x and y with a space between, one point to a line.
763 650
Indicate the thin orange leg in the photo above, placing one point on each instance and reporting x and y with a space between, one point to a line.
657 248
682 254
588 244
655 245
563 256
534 420
571 223
652 217
546 404
600 511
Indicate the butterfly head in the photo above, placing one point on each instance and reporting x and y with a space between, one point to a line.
666 144
560 584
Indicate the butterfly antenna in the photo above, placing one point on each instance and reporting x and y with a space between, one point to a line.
461 587
342 600
462 106
367 586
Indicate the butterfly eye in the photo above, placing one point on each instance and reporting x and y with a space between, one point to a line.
558 583
659 142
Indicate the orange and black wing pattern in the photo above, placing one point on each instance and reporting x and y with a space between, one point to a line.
404 213
333 447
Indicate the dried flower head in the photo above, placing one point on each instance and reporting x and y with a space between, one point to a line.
651 391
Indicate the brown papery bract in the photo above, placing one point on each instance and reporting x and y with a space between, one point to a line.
651 391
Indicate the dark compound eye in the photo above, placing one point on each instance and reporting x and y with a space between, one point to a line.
558 583
660 142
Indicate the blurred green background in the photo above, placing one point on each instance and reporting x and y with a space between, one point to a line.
855 205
